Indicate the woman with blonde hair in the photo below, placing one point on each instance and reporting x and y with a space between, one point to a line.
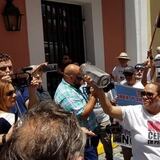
7 101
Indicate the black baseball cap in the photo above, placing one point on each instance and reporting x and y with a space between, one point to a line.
139 66
129 70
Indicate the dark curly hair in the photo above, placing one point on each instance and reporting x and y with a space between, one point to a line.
4 57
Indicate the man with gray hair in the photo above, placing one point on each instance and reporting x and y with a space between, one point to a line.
46 132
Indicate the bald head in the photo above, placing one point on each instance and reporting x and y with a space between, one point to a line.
72 69
72 75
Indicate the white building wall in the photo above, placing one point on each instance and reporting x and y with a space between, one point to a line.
93 30
136 18
136 30
35 31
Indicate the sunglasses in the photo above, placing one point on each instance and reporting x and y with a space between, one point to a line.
147 94
79 78
139 69
5 68
10 93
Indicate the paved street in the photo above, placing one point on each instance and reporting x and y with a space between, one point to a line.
117 154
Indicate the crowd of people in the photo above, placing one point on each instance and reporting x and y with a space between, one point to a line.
70 126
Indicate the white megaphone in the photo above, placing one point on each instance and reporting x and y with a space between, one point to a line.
99 77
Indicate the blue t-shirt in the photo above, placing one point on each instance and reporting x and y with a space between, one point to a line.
23 96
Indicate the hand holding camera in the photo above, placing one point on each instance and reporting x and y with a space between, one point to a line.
31 75
6 78
5 75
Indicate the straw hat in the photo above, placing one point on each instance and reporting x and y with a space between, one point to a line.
123 55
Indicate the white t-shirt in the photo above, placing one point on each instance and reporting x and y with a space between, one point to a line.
101 117
117 73
145 132
138 84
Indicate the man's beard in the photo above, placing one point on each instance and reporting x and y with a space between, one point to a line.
77 86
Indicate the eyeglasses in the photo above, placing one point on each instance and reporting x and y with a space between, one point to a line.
147 94
10 93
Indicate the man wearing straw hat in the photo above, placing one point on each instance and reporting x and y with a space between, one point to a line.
117 72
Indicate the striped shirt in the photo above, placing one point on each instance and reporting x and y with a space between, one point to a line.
73 100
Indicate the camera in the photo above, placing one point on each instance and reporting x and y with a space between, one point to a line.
157 65
21 80
100 78
44 68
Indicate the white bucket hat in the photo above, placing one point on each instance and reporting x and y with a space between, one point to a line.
123 55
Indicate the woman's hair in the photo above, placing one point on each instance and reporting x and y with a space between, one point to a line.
157 85
4 86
